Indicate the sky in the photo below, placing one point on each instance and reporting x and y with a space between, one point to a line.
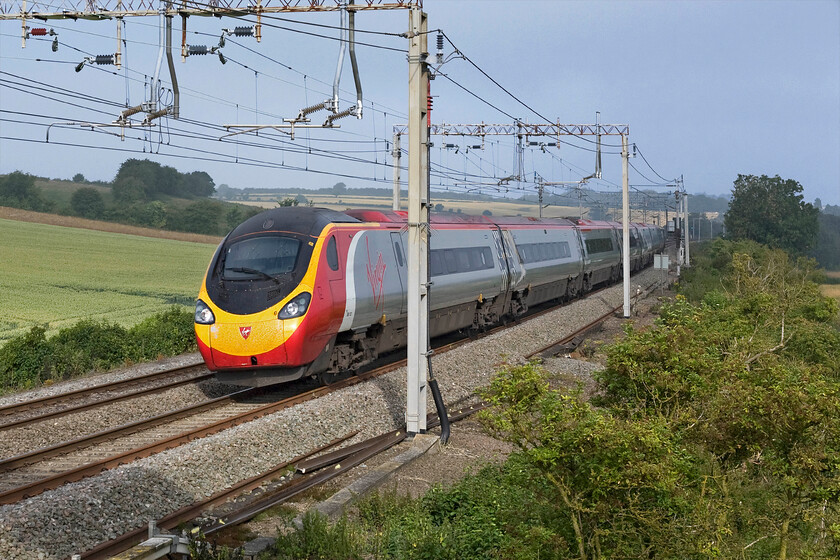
709 89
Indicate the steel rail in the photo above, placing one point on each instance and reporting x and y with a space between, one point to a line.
301 464
53 399
48 483
189 512
348 458
126 429
91 469
110 400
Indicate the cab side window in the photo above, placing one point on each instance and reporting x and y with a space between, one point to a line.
332 254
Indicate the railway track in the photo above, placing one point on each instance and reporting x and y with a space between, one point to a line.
35 410
312 468
28 474
349 411
310 471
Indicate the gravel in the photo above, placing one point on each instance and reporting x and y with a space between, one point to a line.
77 516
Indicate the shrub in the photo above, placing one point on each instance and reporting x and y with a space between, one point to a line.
88 346
165 334
24 360
318 539
30 359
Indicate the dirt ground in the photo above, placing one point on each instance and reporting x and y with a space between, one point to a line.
469 448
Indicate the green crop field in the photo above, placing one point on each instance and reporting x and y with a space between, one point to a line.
57 275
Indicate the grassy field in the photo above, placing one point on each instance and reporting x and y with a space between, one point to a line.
476 207
57 275
832 286
60 191
498 207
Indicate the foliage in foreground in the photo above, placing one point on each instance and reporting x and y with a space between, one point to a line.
716 434
31 359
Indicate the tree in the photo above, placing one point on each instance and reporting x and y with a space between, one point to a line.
18 190
128 190
827 251
771 211
155 179
339 188
201 216
198 183
288 201
224 192
79 178
87 202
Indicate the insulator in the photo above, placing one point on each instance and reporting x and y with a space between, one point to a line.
429 102
131 111
38 31
197 49
104 59
311 109
340 115
440 41
155 114
243 31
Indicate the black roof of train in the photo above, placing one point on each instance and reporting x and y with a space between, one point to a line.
296 219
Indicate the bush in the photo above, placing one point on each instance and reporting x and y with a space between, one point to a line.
318 539
88 346
88 203
24 360
30 359
166 334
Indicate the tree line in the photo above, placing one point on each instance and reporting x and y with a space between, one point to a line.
143 193
772 211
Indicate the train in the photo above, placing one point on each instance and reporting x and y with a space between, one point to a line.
300 291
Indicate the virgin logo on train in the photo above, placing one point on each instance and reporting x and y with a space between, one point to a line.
245 331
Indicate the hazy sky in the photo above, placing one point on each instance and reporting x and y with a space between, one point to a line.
709 89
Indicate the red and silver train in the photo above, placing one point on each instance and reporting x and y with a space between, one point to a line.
298 291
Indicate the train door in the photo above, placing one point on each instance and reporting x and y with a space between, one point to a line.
402 266
504 263
335 276
517 273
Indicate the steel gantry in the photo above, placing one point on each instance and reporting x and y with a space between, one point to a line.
418 78
523 131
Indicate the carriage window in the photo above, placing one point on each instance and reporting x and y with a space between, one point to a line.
599 245
462 259
436 263
539 252
398 250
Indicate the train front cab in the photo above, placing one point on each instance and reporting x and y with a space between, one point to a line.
265 310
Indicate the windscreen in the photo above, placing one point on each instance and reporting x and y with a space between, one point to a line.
260 256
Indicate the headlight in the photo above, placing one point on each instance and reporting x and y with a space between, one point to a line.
203 314
296 307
